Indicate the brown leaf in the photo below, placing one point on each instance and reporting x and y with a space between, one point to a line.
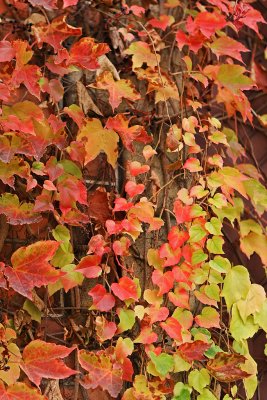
225 367
85 100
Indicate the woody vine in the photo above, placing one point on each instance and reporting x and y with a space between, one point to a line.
118 184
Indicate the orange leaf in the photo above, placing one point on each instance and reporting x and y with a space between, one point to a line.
42 360
117 89
55 32
128 134
31 268
19 391
97 139
85 53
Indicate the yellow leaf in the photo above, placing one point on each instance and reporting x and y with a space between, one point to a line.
97 139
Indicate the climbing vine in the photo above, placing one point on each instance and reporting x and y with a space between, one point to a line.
122 175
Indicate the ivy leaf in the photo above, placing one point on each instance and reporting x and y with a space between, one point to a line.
19 391
142 54
42 360
17 213
163 363
118 90
7 53
208 23
177 237
97 139
199 379
206 395
127 319
226 46
226 367
173 328
89 266
105 330
128 135
55 32
194 351
103 372
193 165
86 52
164 281
209 318
254 242
31 268
162 23
233 292
102 300
214 245
71 190
125 289
47 4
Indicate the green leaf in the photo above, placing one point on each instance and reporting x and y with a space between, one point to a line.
260 317
212 351
62 234
250 384
127 319
232 292
180 364
253 302
214 226
199 379
163 363
258 194
181 391
196 233
220 264
206 395
208 318
249 225
71 168
214 245
198 256
240 330
32 310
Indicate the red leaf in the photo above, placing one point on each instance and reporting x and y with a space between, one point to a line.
97 245
158 314
225 367
71 189
208 23
164 281
180 297
85 53
177 238
105 330
102 300
171 256
47 4
105 371
19 391
55 32
17 213
136 168
7 53
133 189
125 289
117 90
146 336
128 134
182 212
68 3
194 351
42 360
173 328
31 268
89 266
162 23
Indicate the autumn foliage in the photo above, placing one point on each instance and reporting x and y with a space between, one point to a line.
119 183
